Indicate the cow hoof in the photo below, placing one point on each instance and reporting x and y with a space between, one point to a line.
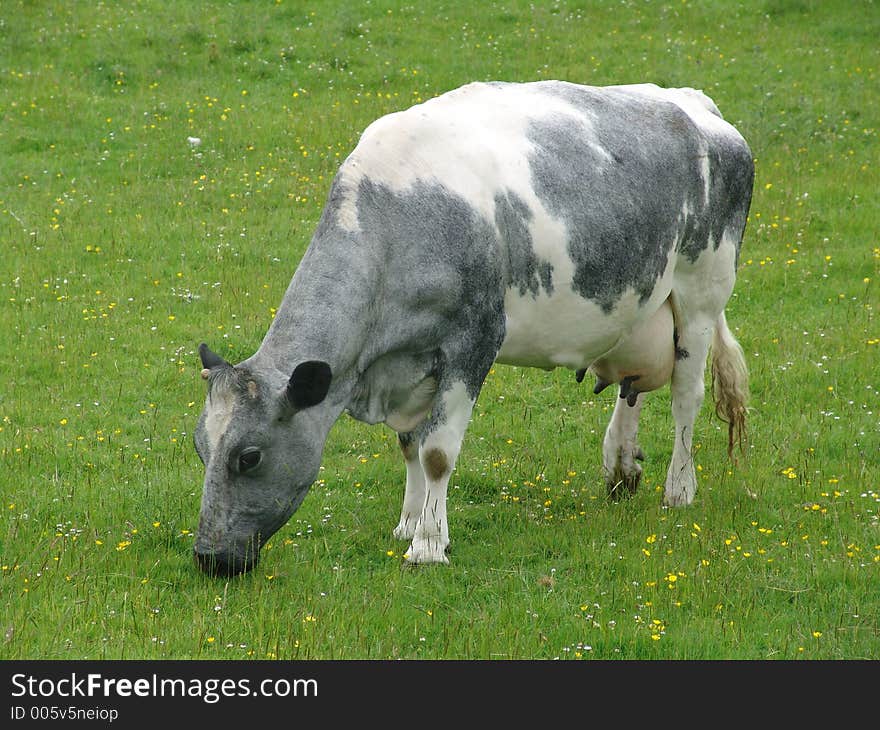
681 486
621 485
677 499
425 552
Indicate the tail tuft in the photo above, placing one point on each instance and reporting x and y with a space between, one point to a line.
730 384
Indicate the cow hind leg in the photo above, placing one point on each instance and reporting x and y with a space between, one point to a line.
414 496
438 451
688 390
620 449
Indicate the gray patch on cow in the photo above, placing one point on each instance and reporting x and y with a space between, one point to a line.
621 184
441 288
398 388
732 174
524 269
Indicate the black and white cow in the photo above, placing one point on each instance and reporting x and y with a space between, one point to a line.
545 224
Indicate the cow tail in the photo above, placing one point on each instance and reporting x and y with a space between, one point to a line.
730 384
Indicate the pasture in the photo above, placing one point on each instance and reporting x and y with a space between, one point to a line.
162 168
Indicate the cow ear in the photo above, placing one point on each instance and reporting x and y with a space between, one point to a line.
210 360
309 384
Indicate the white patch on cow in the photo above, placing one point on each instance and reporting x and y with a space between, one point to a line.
581 331
413 501
413 496
686 212
218 417
457 405
549 237
708 281
705 172
347 215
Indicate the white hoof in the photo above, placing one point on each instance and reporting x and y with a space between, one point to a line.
423 552
679 495
681 485
676 500
623 473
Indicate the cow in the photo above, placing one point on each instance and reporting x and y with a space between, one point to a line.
544 224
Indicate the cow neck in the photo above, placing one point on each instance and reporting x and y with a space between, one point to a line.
324 314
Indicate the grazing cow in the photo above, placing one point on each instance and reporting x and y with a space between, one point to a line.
544 224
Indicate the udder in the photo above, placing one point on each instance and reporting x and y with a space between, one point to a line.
641 363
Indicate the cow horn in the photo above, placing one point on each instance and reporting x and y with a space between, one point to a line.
210 360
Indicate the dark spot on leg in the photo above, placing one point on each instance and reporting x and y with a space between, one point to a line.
680 352
436 464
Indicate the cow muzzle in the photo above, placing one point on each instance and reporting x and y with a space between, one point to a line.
224 564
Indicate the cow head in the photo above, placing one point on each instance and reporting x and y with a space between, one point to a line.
261 445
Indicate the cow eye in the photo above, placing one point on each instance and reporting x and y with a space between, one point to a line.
249 459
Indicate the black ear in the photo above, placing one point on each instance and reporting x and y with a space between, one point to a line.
309 384
210 359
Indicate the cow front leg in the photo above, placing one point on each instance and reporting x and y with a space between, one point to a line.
414 496
438 451
620 449
688 389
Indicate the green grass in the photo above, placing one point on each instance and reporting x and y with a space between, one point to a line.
124 247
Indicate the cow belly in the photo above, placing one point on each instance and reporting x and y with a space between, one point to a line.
562 330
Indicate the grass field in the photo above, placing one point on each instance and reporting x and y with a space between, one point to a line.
124 245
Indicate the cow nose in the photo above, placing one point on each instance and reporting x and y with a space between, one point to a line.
222 564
